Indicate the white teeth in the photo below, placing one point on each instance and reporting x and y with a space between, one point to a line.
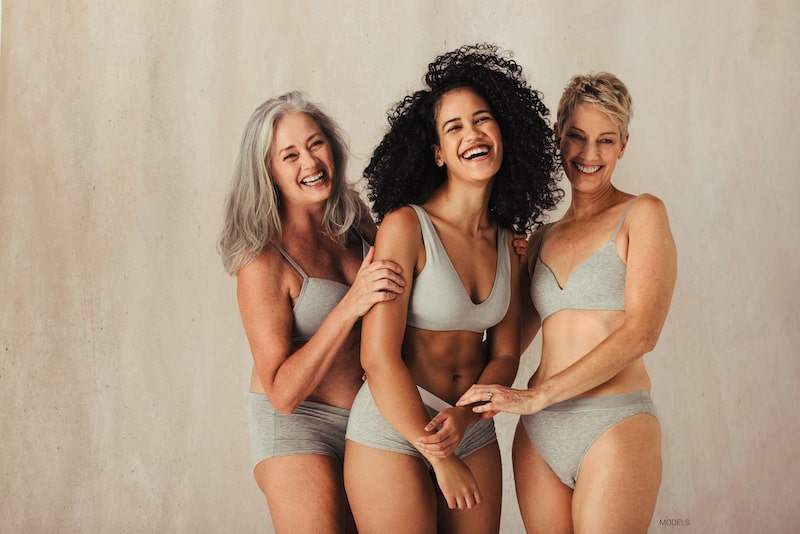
475 152
587 170
312 179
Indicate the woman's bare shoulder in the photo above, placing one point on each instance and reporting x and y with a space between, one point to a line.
401 221
647 209
268 267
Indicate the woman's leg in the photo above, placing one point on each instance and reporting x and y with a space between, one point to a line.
486 467
544 501
619 478
389 492
305 493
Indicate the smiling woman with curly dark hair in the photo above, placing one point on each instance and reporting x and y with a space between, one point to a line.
464 161
402 170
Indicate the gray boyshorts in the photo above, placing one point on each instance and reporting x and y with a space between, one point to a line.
367 426
312 428
562 433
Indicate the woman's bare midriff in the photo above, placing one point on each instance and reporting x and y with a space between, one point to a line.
444 363
568 335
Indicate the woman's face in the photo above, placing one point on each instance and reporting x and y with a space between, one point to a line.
301 160
470 142
590 146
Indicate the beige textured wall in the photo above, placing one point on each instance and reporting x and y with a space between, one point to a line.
122 361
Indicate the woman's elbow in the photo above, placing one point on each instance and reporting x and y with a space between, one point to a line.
648 340
373 367
640 338
285 408
283 403
373 355
641 333
378 363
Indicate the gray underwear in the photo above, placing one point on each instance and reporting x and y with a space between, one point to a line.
367 426
563 432
312 428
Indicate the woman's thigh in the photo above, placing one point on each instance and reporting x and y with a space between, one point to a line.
389 491
619 477
544 501
305 493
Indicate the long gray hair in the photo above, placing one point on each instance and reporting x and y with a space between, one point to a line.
252 217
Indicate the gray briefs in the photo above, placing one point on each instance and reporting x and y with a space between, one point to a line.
368 427
562 433
312 428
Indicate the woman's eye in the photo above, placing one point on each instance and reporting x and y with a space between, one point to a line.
289 156
454 128
317 143
607 141
574 136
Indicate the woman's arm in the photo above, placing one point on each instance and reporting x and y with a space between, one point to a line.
265 305
383 329
392 386
649 283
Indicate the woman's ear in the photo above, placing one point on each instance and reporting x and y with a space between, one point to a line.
437 158
556 134
623 146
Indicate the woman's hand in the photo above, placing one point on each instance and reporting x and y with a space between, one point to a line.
520 245
448 427
457 483
496 398
376 281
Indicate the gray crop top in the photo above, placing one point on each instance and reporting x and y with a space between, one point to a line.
596 284
317 298
439 300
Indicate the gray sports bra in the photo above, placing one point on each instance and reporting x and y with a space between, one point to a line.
317 298
598 283
438 299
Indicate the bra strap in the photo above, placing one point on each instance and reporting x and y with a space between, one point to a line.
364 244
546 228
619 224
290 260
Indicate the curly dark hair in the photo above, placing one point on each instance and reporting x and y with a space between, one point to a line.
402 169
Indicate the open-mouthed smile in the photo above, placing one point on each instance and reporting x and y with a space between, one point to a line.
475 152
314 179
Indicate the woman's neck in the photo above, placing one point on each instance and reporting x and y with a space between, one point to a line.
466 208
302 221
585 206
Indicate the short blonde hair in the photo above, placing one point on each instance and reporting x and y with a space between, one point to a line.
604 91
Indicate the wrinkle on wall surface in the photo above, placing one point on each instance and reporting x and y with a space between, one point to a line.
123 364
